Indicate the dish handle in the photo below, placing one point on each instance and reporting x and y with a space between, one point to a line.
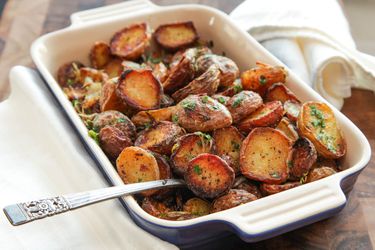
315 201
111 11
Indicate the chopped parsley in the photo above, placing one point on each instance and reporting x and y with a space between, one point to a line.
197 169
147 125
303 179
175 118
236 146
205 136
94 135
237 102
316 112
188 105
205 99
75 103
319 123
121 120
262 80
70 82
221 99
237 88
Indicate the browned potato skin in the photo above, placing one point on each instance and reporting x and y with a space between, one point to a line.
197 206
264 154
186 36
243 104
165 173
166 101
156 115
153 207
112 140
207 83
260 78
292 109
124 44
304 156
268 115
208 176
307 129
233 198
227 145
160 138
114 67
202 113
67 75
319 173
132 83
268 189
288 129
228 69
100 54
116 119
324 162
177 216
110 101
280 92
234 88
249 186
188 147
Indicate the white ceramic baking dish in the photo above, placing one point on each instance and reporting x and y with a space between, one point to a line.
254 221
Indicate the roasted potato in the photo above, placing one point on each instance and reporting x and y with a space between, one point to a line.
139 89
130 42
114 67
233 198
319 173
159 138
317 122
143 118
260 78
207 83
227 145
264 155
116 119
280 92
250 186
324 162
268 115
202 113
100 54
155 208
176 36
243 104
228 69
197 206
160 71
112 140
165 173
208 176
136 164
177 215
234 88
88 76
68 74
109 99
303 158
288 129
166 101
188 147
268 189
292 109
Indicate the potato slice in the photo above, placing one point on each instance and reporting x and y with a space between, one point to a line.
233 198
136 164
268 189
109 99
176 36
114 67
317 122
292 109
130 42
68 74
140 89
208 176
319 173
243 104
100 54
260 78
268 115
303 158
227 145
228 69
197 206
280 92
202 113
112 140
250 186
143 118
288 129
188 147
207 83
264 155
160 138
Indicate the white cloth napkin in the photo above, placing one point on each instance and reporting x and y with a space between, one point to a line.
40 157
313 39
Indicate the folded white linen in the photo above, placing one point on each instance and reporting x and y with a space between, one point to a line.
40 156
327 58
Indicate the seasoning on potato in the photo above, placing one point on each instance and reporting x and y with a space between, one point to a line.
233 198
100 54
243 104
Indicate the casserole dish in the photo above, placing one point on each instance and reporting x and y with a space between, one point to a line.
252 222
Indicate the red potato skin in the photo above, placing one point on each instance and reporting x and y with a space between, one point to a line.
292 108
280 92
112 140
319 173
304 156
251 187
250 101
269 189
233 198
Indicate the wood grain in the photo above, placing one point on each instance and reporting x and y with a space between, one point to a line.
353 228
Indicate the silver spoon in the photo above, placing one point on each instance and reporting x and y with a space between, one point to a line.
25 212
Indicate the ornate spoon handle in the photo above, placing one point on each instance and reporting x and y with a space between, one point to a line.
25 212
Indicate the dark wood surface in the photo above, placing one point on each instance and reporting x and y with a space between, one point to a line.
23 21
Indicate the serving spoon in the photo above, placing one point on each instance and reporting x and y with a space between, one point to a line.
24 212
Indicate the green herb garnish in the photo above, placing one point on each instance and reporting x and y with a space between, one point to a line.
205 99
197 169
70 82
175 118
262 80
316 112
236 146
237 102
120 120
188 105
221 99
94 135
237 88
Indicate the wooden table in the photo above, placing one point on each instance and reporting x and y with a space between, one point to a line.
354 228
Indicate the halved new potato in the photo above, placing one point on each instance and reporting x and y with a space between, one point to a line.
317 122
303 158
319 173
292 109
112 140
264 155
248 185
100 54
143 118
68 74
268 189
114 67
109 99
139 89
288 129
243 104
197 206
280 92
233 198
